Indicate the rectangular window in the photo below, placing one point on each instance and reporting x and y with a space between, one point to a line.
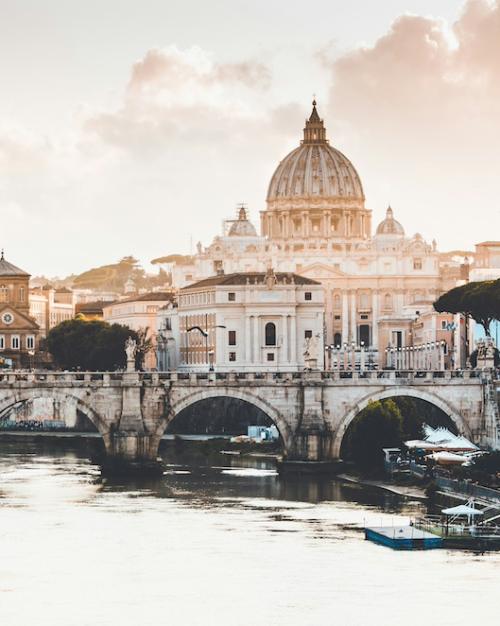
308 334
30 342
417 264
270 356
232 356
21 294
231 296
15 342
364 317
308 295
2 342
336 317
231 337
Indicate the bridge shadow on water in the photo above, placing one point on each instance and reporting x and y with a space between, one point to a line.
193 476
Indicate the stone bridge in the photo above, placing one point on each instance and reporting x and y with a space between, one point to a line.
312 410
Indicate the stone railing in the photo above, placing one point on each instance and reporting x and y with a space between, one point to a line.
46 378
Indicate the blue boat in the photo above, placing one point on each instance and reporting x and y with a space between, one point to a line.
403 537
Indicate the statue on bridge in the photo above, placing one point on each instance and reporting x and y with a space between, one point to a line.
311 352
131 351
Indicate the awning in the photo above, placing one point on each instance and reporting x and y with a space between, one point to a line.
462 509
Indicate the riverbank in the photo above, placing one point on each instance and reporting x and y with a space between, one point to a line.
410 491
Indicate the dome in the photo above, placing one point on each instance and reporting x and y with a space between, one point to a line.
315 173
390 226
242 227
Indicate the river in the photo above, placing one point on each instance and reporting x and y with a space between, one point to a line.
219 541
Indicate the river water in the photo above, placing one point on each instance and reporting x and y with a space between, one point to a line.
216 541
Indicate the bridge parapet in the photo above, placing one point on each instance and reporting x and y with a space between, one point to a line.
105 379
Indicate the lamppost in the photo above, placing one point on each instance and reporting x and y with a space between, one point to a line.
362 357
329 349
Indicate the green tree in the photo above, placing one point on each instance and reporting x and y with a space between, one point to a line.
93 346
479 300
379 425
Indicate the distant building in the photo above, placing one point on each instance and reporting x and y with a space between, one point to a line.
90 311
316 225
140 314
51 306
18 329
256 321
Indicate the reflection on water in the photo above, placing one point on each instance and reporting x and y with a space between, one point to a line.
219 540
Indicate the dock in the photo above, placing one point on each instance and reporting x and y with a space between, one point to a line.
403 537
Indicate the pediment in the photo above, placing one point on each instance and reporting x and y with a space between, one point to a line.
321 270
21 320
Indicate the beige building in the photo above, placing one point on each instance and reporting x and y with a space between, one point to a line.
139 313
316 224
256 321
51 306
18 330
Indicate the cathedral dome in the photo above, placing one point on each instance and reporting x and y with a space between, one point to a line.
242 227
315 174
390 226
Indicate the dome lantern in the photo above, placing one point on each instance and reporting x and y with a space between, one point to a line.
314 131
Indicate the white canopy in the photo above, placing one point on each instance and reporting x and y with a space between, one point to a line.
419 443
447 458
462 509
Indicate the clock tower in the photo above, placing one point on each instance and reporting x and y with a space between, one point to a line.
18 330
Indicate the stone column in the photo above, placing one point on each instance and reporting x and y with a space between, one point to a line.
305 224
248 345
375 314
284 343
293 340
345 317
256 339
353 317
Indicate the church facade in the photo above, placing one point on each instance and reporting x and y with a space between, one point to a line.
18 330
316 225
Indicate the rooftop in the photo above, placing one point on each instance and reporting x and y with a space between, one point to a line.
7 269
151 296
251 278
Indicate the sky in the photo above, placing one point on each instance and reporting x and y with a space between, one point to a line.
133 127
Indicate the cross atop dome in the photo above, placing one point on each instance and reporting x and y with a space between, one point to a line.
314 131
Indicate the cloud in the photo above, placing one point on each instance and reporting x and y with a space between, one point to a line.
420 109
178 94
172 68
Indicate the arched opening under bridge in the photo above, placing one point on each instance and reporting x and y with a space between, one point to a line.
48 412
386 420
212 414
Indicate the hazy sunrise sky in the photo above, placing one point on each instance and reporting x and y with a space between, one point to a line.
132 127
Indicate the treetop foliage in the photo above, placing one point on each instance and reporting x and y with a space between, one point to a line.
93 346
480 300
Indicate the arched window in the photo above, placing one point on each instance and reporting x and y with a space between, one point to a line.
336 301
388 301
270 334
337 340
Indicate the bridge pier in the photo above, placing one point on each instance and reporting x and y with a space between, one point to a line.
311 453
131 448
131 452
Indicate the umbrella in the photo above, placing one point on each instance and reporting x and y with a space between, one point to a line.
462 509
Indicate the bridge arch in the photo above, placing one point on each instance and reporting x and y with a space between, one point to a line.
11 400
412 392
192 398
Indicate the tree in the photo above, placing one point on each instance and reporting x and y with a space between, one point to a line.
144 345
94 345
479 300
378 426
